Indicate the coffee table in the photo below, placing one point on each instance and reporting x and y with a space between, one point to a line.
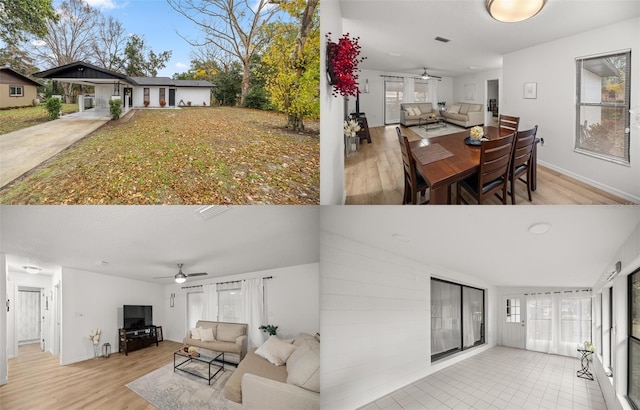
217 362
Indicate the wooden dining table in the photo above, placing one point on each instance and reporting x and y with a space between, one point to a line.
445 160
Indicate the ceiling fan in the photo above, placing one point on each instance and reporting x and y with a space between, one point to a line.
181 277
426 76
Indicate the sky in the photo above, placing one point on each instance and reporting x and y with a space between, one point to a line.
159 24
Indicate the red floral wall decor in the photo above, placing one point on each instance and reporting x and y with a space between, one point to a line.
342 65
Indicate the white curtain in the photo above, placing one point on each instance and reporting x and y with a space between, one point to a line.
472 313
28 315
433 93
557 322
445 317
253 309
210 302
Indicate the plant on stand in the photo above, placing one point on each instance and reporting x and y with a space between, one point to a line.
95 339
351 139
269 329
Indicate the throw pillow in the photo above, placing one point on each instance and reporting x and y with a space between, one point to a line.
206 335
454 109
195 333
464 108
305 372
409 110
228 332
275 350
417 110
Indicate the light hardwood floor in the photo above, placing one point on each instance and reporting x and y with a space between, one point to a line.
37 381
374 176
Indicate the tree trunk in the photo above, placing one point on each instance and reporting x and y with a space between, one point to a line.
246 81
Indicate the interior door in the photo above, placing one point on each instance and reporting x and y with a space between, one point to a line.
513 325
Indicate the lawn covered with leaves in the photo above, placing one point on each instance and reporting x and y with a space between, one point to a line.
189 156
15 119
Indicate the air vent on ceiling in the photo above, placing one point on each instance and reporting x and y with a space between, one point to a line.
442 39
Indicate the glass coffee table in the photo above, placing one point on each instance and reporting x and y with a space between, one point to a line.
214 364
438 123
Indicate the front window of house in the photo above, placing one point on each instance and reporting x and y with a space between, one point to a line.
162 94
603 100
16 91
146 95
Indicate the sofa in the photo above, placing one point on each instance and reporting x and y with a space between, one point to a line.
464 114
230 338
425 112
259 384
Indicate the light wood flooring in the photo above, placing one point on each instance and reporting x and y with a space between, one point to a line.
37 381
374 176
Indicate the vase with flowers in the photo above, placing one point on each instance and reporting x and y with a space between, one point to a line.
94 336
343 58
351 140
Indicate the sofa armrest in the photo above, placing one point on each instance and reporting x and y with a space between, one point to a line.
402 116
476 117
242 342
262 393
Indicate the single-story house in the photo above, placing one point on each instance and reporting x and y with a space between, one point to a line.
16 90
133 91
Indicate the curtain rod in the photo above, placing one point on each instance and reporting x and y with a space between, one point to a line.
222 283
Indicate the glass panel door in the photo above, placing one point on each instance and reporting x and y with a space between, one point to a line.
393 96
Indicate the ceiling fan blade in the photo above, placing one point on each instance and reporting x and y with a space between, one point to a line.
163 277
196 274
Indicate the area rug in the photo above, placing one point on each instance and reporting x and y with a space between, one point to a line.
436 132
169 390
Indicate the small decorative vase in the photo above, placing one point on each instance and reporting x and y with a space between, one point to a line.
351 145
96 351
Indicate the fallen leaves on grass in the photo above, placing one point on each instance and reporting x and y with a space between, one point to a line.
189 156
18 118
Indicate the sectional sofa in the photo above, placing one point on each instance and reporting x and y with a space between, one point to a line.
464 114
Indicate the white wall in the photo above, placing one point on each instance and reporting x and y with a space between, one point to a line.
372 103
331 116
92 300
3 319
292 300
629 255
479 83
196 95
375 321
552 66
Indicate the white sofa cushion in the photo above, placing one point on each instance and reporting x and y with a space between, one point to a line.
275 350
417 111
206 335
228 332
195 333
303 369
454 109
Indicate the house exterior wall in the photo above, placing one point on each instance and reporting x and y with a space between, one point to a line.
198 96
29 94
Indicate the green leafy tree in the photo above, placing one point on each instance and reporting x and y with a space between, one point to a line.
292 62
228 81
21 18
142 62
18 59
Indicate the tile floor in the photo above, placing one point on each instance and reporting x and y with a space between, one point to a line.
500 378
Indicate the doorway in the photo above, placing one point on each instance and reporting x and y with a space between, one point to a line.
28 316
493 102
513 325
393 96
172 97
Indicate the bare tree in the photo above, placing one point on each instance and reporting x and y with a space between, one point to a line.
109 44
233 26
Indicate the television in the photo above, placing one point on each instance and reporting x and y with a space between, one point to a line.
136 316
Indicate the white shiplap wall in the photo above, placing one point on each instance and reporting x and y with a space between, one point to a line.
375 321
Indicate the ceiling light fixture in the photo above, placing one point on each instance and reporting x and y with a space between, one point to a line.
181 277
540 228
513 11
32 269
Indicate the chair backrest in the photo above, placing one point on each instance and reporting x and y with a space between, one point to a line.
508 123
523 147
407 160
495 157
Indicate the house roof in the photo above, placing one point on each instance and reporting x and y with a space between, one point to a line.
82 72
17 74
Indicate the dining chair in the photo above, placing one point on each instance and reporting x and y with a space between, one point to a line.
414 185
521 160
493 175
508 123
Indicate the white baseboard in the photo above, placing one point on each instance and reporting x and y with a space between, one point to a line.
3 381
595 184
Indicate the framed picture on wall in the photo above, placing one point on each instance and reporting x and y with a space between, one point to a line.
469 92
531 90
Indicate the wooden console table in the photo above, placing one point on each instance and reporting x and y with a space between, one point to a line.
364 126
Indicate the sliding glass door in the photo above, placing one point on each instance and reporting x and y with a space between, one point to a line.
633 380
457 318
393 96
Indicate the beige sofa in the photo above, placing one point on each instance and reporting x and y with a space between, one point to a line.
230 338
464 114
427 113
258 384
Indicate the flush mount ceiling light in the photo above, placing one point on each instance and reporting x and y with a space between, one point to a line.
180 277
512 11
32 269
540 228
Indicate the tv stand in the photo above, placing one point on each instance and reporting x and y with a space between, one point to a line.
137 338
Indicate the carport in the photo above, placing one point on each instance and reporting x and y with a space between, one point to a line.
108 85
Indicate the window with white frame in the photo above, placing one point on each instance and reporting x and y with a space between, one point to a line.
420 91
230 302
603 100
16 91
513 310
633 369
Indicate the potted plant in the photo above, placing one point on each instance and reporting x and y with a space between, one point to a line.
270 329
342 65
146 103
188 103
163 103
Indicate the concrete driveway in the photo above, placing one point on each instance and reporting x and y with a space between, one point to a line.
23 150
